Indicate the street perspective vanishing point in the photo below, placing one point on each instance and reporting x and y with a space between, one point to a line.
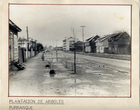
69 50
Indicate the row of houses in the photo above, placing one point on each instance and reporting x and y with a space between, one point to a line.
20 49
118 43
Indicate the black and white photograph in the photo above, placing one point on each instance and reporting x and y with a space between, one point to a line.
70 50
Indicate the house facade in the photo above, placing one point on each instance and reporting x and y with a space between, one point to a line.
13 42
87 47
102 44
23 53
119 43
22 42
90 44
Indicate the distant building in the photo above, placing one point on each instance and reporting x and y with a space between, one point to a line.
32 47
64 44
58 48
13 42
114 43
79 46
22 44
68 43
90 44
119 43
102 44
29 47
40 47
50 48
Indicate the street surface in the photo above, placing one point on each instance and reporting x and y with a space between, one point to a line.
94 77
115 63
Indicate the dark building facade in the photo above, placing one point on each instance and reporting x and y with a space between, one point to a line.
13 42
120 43
90 44
79 46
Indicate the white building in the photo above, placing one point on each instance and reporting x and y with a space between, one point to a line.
22 42
68 43
28 45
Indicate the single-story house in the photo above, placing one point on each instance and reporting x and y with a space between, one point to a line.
90 45
13 42
119 43
102 44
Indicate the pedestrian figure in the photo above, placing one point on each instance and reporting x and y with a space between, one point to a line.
43 56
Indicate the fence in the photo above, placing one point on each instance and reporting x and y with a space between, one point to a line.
22 55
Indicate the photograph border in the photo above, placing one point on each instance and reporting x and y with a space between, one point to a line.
84 96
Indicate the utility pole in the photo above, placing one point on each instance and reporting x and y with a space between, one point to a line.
65 43
27 33
27 41
56 51
35 47
23 41
83 36
74 53
53 46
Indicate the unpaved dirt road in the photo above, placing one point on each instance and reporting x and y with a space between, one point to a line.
93 80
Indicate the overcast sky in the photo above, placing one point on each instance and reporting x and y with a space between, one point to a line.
48 23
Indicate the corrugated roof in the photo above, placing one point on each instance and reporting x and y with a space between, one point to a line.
106 37
14 26
117 35
91 38
120 34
